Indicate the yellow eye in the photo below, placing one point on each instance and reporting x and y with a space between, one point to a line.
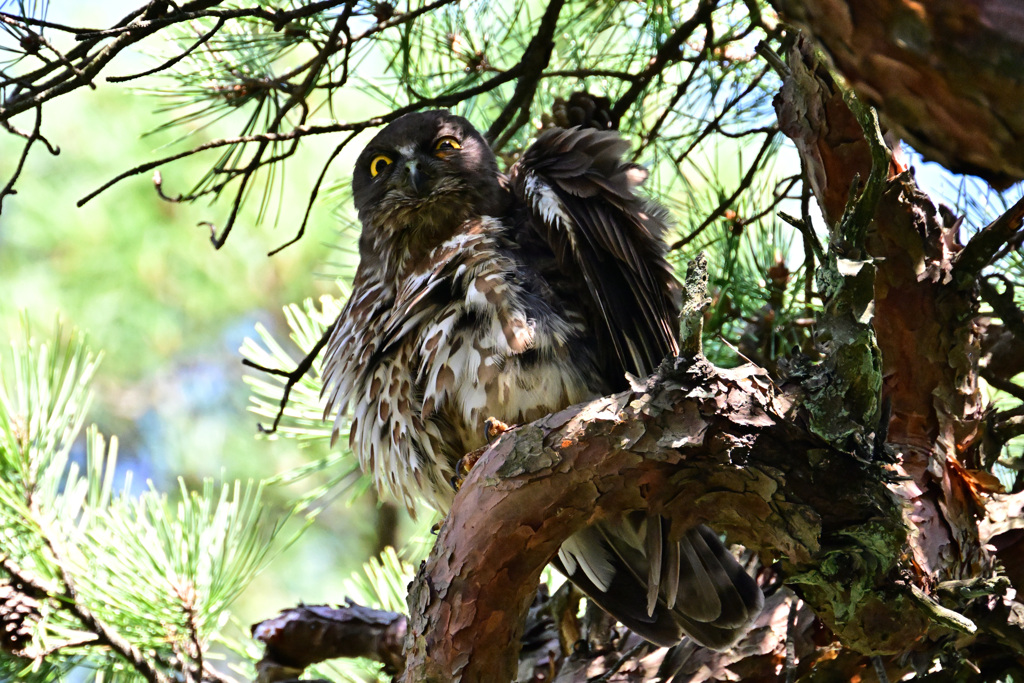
379 163
446 145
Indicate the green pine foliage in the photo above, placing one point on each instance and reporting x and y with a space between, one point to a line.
115 578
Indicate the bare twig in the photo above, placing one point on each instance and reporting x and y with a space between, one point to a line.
303 131
1003 384
15 19
277 17
313 194
530 67
726 203
714 125
202 40
681 90
131 31
292 376
31 138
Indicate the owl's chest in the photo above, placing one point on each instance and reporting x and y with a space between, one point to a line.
474 367
493 347
474 338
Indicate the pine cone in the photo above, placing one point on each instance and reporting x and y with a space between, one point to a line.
582 109
19 611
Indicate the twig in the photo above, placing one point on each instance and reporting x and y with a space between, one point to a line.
1003 384
714 125
307 634
90 65
589 73
774 60
297 98
880 669
32 21
203 39
71 602
859 212
313 194
303 131
986 243
531 66
667 53
31 138
790 665
1003 305
292 376
619 663
745 183
681 90
1008 428
277 17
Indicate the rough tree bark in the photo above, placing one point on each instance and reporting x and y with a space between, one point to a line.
946 75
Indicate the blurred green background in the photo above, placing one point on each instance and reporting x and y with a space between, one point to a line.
169 312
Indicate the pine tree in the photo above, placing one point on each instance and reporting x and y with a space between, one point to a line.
853 429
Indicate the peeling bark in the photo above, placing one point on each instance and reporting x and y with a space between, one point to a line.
921 317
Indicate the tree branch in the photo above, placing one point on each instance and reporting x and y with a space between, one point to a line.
947 81
292 377
73 604
530 67
669 52
699 445
305 635
982 248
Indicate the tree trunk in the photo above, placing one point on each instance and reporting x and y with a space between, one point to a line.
946 75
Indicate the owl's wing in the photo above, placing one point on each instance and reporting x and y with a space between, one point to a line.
580 199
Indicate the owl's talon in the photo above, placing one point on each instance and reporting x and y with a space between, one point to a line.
463 468
493 428
437 525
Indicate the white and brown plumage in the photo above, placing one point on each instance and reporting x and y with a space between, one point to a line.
482 296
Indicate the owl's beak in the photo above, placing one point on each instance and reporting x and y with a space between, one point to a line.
414 178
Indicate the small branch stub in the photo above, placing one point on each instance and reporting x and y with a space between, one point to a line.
695 302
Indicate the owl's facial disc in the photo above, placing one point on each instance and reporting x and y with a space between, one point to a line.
422 176
426 184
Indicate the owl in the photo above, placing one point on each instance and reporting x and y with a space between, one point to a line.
480 295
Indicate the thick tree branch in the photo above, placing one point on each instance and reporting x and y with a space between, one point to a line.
700 445
305 635
946 78
921 319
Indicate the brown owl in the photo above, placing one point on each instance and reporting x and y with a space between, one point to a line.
480 295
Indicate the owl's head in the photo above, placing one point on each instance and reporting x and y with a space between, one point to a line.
421 177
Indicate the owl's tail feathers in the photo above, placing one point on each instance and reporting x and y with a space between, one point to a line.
661 589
